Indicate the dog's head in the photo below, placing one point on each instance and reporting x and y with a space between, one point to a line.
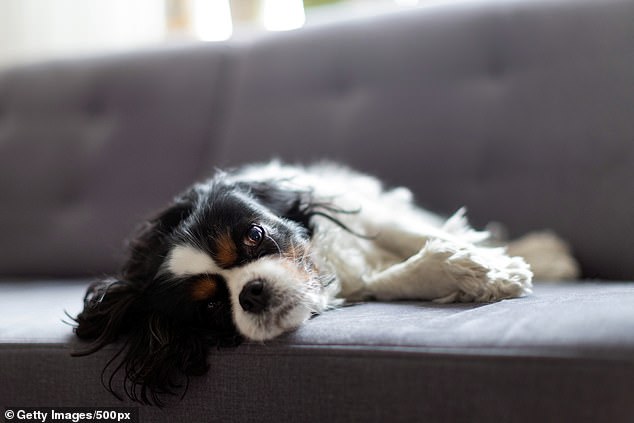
226 260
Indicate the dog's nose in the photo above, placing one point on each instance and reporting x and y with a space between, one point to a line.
254 297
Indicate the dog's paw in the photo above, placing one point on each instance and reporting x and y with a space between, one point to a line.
480 274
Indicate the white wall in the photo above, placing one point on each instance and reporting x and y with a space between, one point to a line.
33 30
40 29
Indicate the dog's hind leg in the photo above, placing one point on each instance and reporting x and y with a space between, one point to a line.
445 272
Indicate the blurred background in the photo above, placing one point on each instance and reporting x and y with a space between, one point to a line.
33 30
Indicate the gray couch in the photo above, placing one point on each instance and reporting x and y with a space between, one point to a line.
521 110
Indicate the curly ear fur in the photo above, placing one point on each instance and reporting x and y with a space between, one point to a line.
106 313
159 358
296 205
157 350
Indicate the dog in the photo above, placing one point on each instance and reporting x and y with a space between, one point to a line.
255 252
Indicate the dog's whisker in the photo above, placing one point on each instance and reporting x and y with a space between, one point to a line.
279 250
292 253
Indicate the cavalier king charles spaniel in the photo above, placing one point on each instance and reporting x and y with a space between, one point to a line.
254 253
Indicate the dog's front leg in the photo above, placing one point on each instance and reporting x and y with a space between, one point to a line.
444 271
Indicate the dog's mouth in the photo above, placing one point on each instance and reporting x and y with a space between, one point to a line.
272 323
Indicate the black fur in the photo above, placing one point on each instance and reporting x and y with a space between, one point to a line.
163 335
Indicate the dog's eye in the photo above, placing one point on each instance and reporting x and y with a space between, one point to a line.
254 236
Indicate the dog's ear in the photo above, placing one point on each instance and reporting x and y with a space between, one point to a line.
158 357
148 247
297 205
108 304
117 307
293 204
158 353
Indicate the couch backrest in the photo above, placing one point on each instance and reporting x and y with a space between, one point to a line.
520 110
523 111
89 148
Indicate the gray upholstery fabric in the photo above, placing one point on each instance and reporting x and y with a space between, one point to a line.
90 148
520 110
560 319
565 353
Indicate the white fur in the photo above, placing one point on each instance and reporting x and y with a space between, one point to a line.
410 253
289 289
186 260
413 254
301 289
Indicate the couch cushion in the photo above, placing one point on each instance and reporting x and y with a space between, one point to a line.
559 319
565 351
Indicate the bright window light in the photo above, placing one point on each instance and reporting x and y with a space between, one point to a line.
212 19
282 15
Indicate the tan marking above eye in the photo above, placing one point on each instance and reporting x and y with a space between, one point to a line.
204 289
226 250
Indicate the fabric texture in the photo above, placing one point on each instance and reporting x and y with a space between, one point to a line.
559 319
90 148
565 352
